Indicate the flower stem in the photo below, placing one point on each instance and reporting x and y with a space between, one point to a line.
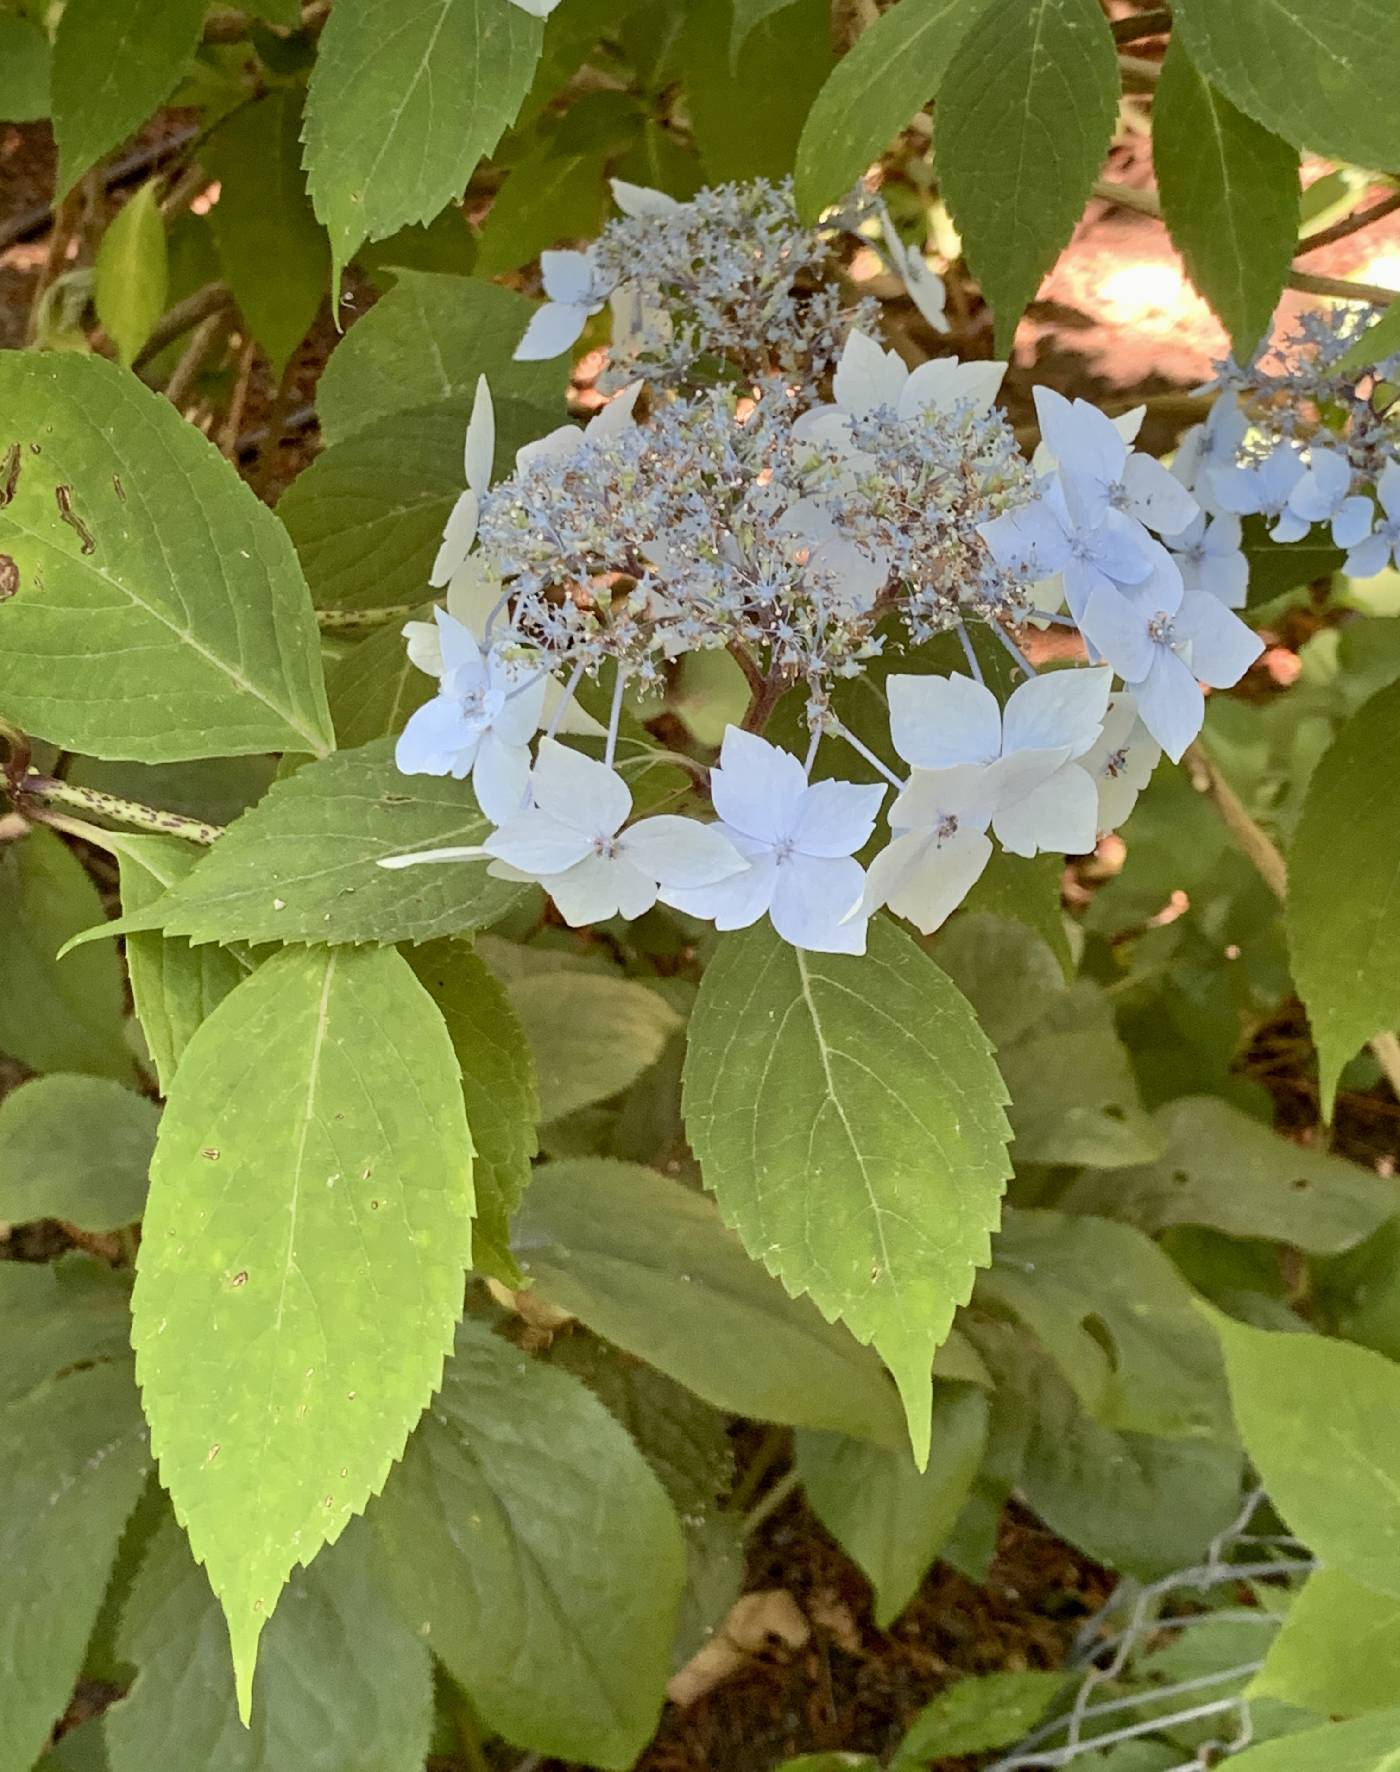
1259 848
45 791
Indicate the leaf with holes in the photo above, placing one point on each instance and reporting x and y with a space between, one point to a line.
161 613
848 1119
301 1262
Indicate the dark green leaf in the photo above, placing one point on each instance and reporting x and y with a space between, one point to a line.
532 1546
894 70
747 118
977 1714
645 1261
592 1035
1229 192
376 686
114 61
77 1149
404 100
1028 106
1343 908
24 70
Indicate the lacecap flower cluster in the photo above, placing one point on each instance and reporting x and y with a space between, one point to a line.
719 502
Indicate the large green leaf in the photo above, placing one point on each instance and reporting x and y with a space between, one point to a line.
1321 1421
498 1086
1116 1316
343 1686
1222 1169
1365 1744
1338 1652
406 97
1229 193
131 278
1321 77
25 59
887 1516
425 343
75 1148
73 1457
161 613
272 251
894 69
376 686
848 1119
367 516
301 1262
302 865
592 1035
56 1015
1027 110
746 116
114 62
174 986
1343 909
55 1316
645 1261
1074 1098
538 1554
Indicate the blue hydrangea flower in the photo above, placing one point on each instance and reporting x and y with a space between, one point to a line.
799 839
571 839
575 294
1043 538
1265 490
1101 474
479 724
1163 656
1324 495
1374 552
1210 558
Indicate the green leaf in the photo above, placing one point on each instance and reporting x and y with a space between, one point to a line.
25 58
1229 192
367 515
114 62
302 865
173 986
748 16
532 1546
645 1262
441 79
894 69
161 613
77 1149
133 274
1311 1412
977 1714
498 1087
425 343
301 1262
1276 567
1365 1744
55 1316
848 1119
887 1516
1343 908
56 1015
1135 1501
272 251
1338 1652
592 1035
1074 1098
342 1684
1222 1169
1007 973
376 686
1117 1318
558 190
73 1458
1027 890
1378 341
1321 80
1028 105
746 118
